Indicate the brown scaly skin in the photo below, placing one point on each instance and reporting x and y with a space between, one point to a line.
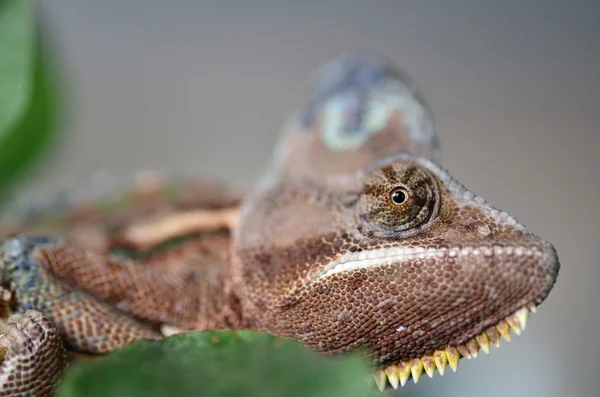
345 244
31 344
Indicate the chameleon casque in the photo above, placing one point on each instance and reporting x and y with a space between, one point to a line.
353 239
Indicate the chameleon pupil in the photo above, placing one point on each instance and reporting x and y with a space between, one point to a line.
398 196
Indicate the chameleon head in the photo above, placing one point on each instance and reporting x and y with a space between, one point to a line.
406 265
361 108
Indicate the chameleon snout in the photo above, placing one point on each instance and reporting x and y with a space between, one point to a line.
404 305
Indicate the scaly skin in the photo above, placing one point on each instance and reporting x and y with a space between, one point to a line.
355 239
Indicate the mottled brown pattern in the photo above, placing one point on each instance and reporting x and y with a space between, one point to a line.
30 343
99 303
321 252
470 267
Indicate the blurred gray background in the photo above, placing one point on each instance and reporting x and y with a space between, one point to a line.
203 87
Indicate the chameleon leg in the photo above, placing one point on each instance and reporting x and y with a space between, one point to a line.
85 323
90 326
33 356
95 302
33 352
33 345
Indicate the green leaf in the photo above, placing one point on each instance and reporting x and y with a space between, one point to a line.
16 55
219 364
31 131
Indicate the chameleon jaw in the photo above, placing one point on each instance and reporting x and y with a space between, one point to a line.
352 261
399 374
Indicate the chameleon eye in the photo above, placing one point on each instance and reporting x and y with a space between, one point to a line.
399 195
401 199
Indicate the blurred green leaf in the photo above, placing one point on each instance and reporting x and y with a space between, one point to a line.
16 55
33 129
219 364
28 100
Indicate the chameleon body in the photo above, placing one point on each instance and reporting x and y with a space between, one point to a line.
355 238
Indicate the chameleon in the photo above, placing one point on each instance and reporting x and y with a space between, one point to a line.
353 239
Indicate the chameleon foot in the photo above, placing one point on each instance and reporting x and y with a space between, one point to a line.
32 356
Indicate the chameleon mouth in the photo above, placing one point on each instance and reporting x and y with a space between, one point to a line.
399 374
531 256
352 261
378 257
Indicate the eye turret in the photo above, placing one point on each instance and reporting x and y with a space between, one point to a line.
399 199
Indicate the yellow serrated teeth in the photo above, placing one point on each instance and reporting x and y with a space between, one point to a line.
453 357
416 369
392 375
403 372
514 324
464 351
428 365
504 330
484 342
494 336
398 375
473 347
380 379
441 360
523 316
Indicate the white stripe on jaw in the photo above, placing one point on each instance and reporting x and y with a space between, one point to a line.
351 261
